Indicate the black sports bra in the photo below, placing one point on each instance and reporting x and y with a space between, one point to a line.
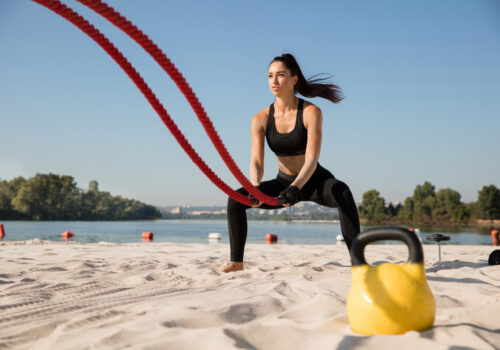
289 144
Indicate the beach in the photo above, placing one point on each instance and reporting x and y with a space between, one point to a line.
72 295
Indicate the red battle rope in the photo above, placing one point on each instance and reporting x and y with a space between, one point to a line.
157 54
169 67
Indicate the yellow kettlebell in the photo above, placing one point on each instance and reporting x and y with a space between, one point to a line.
389 298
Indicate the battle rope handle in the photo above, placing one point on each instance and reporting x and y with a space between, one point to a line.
157 54
120 59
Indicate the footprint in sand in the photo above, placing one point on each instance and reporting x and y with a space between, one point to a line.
193 323
241 313
284 289
28 280
308 277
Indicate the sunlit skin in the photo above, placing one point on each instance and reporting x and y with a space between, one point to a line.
281 83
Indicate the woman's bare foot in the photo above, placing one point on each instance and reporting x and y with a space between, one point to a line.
232 267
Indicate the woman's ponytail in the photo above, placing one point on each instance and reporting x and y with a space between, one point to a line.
315 86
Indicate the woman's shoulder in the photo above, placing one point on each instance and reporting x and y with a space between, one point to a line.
312 115
310 107
311 110
262 115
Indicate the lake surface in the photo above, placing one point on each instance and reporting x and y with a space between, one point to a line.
197 231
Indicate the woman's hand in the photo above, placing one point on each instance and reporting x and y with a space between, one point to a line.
255 202
289 196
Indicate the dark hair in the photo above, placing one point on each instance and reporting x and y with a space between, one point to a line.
312 87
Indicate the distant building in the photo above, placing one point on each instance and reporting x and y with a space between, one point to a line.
201 212
176 210
93 186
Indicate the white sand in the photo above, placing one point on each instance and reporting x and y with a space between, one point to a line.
172 296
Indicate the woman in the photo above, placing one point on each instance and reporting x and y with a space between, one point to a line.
292 128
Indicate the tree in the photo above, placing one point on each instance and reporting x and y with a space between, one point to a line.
372 206
460 213
406 212
473 210
5 199
449 206
420 206
8 190
47 197
422 192
392 210
446 201
56 197
424 199
489 202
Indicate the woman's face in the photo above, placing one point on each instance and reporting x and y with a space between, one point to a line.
281 81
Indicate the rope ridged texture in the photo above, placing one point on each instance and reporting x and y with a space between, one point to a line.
131 30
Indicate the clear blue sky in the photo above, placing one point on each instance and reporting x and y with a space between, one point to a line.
421 81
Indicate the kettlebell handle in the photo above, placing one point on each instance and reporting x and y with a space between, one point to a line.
392 233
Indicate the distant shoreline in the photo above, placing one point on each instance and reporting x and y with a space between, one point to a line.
472 223
312 221
485 223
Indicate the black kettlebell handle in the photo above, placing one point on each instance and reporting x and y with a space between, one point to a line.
392 233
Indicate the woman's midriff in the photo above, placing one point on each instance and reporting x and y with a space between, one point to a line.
291 165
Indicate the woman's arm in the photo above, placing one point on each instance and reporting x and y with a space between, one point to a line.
313 120
258 131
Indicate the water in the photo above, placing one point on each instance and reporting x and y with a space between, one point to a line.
196 231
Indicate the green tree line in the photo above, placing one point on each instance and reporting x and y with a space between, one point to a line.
426 206
56 197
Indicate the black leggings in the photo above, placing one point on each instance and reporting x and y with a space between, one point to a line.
322 188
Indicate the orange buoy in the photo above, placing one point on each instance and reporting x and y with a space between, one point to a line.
494 237
2 231
67 234
147 235
271 238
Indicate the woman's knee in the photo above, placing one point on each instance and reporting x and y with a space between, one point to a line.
347 194
339 187
342 192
